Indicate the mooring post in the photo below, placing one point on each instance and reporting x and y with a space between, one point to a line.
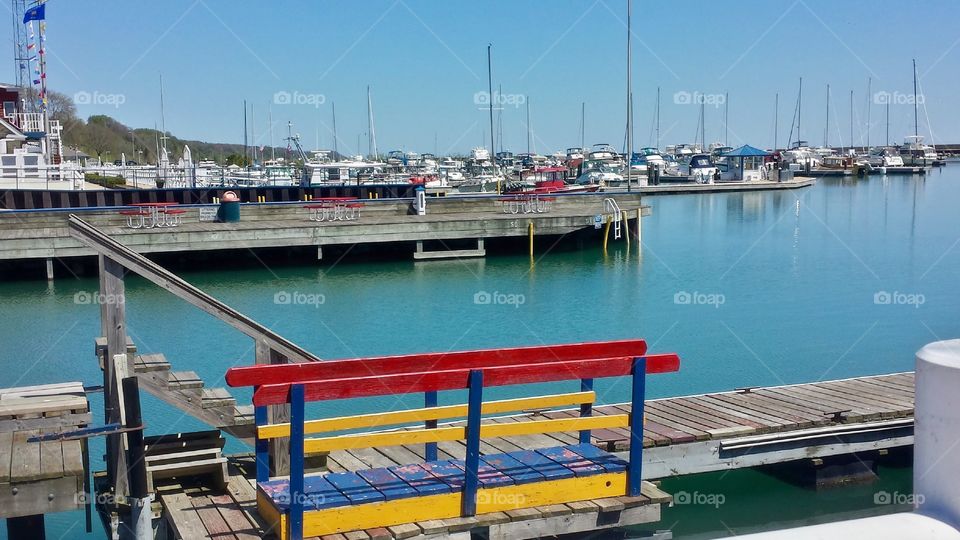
49 269
639 227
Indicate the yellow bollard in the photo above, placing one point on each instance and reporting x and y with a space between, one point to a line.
639 228
606 234
530 233
626 226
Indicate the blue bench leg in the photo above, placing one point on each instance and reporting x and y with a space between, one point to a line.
297 417
586 409
472 464
430 449
262 446
634 475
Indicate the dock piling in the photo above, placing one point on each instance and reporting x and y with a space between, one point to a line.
49 269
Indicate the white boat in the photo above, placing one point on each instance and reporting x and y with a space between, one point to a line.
883 157
801 157
600 173
699 168
450 169
917 154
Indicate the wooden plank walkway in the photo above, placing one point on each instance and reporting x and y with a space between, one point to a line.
678 424
688 419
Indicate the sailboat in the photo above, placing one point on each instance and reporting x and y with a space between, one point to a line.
913 151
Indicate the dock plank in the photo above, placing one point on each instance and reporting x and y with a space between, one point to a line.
25 460
6 454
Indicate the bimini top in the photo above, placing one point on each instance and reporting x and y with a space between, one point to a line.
746 151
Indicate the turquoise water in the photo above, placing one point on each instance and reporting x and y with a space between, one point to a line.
849 277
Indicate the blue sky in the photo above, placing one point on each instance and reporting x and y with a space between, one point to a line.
426 62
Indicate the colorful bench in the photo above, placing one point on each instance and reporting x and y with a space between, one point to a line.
318 505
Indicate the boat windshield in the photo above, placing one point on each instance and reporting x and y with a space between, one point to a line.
700 161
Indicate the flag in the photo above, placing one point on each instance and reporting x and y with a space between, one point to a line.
36 13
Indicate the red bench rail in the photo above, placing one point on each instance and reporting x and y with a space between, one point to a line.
416 363
458 379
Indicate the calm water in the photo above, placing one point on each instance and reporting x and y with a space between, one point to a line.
842 279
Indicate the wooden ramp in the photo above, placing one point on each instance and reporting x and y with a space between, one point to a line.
718 431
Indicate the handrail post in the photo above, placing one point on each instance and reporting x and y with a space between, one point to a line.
586 409
430 448
471 467
297 496
635 470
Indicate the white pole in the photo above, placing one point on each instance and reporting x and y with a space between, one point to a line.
936 455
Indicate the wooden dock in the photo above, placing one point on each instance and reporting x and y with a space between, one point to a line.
38 478
45 234
683 186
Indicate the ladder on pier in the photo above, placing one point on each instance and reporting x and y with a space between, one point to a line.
611 206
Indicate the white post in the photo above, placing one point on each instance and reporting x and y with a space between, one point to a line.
936 457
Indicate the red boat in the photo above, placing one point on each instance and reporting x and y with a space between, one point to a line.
550 180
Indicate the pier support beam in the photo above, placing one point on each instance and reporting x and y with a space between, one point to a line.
49 269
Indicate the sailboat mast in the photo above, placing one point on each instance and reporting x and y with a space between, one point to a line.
371 127
799 110
528 124
703 128
658 119
726 118
583 121
333 107
776 119
500 117
629 95
869 106
273 149
826 127
851 119
916 123
246 148
493 147
888 122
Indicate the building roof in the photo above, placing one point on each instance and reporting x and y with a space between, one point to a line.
746 151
